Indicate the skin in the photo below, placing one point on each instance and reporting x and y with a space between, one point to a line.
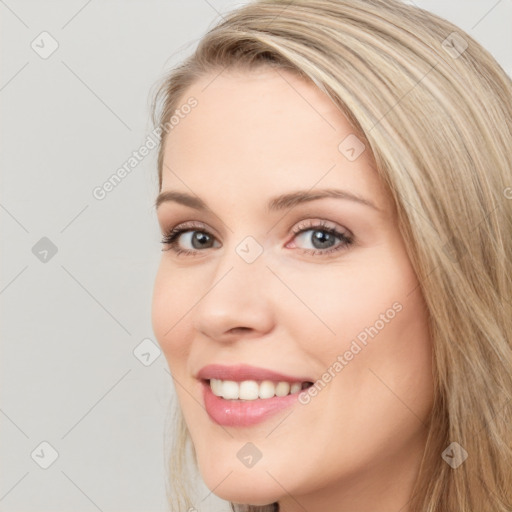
356 446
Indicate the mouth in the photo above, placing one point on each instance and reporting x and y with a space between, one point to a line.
247 403
247 390
244 395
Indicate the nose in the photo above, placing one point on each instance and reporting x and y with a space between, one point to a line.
236 301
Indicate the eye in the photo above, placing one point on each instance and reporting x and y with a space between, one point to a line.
321 237
198 238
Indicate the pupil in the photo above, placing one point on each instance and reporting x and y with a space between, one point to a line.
322 237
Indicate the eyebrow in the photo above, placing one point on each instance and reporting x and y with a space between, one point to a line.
277 203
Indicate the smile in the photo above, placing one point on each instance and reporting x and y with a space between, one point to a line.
245 412
243 395
252 390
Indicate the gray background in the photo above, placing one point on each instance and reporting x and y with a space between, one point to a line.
70 324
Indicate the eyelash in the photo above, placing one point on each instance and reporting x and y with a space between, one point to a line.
171 238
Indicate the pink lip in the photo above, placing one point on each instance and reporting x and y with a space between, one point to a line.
242 372
243 413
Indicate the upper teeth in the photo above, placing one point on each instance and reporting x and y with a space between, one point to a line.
251 389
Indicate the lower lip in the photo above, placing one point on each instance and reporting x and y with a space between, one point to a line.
243 413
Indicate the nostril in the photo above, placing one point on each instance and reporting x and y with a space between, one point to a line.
235 330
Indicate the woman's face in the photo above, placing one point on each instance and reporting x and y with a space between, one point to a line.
286 277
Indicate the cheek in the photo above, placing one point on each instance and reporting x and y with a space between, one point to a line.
380 393
337 303
392 370
375 338
171 301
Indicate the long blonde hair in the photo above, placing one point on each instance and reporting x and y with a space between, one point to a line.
435 109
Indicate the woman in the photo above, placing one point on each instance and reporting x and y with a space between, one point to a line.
334 296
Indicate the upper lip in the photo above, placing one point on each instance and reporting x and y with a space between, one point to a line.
243 372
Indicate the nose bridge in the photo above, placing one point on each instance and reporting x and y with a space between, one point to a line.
236 295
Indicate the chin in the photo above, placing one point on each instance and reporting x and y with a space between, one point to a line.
248 496
249 487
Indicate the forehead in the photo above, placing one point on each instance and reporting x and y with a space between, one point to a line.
260 132
268 105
